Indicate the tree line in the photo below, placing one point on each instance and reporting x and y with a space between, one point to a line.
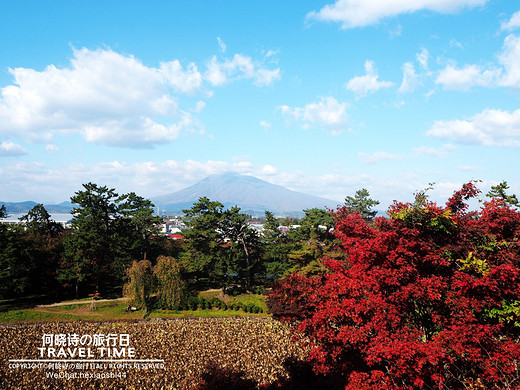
426 296
114 240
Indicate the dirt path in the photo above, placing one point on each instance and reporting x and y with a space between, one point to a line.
81 302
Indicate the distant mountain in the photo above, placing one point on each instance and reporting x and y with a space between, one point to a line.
24 207
252 195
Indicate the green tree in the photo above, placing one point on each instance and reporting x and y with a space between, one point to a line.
363 204
245 245
219 244
314 239
16 266
93 244
43 240
39 221
499 191
138 222
271 226
204 242
108 232
317 223
276 248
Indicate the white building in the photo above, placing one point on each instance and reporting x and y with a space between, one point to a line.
64 220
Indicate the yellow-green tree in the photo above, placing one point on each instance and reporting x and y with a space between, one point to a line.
170 285
140 283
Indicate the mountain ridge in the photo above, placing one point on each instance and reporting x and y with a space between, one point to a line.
253 196
26 206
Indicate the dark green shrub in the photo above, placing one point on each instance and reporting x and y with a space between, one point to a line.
216 302
234 290
258 290
193 303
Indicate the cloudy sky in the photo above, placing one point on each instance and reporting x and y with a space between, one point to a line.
321 97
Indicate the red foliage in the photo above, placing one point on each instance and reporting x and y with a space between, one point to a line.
420 299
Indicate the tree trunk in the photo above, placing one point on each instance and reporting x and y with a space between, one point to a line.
248 265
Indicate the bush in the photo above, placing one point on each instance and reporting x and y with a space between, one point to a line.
216 302
193 303
259 290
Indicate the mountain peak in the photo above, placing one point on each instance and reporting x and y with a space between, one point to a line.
251 194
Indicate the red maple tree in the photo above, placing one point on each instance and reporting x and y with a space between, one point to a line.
426 298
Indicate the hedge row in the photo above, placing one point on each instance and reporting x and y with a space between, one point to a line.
194 303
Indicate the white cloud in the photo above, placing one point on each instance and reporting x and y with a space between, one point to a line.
222 45
369 83
266 125
35 181
215 72
444 151
144 130
457 44
358 13
10 149
467 168
240 66
423 57
469 76
271 53
182 81
199 106
113 99
488 128
104 96
268 170
510 59
266 77
512 24
409 78
378 156
328 114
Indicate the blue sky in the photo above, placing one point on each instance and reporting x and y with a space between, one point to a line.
321 97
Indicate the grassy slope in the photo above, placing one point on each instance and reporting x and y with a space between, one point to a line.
83 310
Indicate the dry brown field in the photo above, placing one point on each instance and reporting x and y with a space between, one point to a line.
257 346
